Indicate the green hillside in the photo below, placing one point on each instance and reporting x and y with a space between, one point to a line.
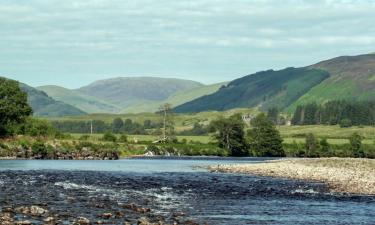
86 103
175 99
351 78
265 89
127 91
45 106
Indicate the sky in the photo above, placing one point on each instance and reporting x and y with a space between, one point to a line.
73 43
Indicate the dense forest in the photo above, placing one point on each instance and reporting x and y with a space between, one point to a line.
345 113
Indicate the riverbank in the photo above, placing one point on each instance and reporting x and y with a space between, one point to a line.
343 175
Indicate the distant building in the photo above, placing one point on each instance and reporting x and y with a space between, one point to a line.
247 118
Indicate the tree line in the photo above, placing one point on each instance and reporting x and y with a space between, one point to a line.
342 112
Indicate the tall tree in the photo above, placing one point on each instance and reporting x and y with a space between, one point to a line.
167 122
117 125
14 108
229 132
264 138
273 115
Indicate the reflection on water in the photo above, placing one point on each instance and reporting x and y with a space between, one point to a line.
124 165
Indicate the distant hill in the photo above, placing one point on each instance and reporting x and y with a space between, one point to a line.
345 77
127 91
86 103
264 89
351 77
44 105
176 99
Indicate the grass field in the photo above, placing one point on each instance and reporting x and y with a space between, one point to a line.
334 134
323 131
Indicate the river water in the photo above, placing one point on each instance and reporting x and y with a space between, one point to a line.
175 190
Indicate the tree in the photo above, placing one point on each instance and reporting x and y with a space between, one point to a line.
264 138
14 108
108 136
325 147
128 125
356 145
273 115
312 145
117 125
229 132
166 114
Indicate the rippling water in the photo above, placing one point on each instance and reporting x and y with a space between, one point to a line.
174 186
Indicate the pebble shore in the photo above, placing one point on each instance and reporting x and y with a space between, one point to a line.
342 175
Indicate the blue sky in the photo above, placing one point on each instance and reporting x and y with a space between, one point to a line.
72 43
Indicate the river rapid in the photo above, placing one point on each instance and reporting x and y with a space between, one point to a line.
170 190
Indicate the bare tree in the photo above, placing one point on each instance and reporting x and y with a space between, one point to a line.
166 114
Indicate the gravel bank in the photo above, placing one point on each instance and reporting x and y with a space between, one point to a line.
344 175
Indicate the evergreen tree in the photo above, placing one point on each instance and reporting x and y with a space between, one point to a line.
264 138
273 115
14 108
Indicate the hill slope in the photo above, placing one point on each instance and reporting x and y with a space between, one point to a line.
266 89
43 105
351 77
176 99
85 103
127 91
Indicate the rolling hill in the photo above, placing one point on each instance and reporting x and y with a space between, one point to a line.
351 78
127 91
345 77
265 89
176 99
85 103
45 106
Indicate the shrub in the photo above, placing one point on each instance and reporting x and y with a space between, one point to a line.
123 138
108 136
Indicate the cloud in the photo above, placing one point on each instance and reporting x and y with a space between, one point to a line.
220 39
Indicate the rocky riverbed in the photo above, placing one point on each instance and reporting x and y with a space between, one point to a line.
340 174
93 197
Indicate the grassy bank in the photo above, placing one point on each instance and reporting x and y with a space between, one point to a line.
341 175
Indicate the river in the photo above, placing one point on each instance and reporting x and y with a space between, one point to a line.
173 190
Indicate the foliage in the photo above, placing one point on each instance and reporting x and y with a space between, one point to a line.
37 127
264 138
273 115
345 113
14 107
267 88
123 138
312 146
108 136
356 145
229 132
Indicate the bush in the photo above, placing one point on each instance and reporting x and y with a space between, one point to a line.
108 136
356 145
123 138
40 148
